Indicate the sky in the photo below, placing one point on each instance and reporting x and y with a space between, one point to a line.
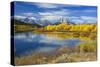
54 12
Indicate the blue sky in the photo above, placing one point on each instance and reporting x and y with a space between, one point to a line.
53 12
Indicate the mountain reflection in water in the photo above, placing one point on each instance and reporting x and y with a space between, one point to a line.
28 42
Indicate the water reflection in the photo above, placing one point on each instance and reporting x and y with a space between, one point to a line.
28 42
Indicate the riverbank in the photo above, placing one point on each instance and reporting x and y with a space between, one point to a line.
80 53
63 58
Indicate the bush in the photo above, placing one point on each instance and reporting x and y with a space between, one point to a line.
87 47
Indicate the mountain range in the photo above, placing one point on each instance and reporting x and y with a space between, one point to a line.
40 22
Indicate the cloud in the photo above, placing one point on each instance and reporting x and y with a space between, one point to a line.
51 18
82 19
89 19
75 19
60 12
46 13
32 15
51 5
28 14
46 5
23 17
19 17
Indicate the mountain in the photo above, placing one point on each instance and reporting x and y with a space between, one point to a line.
31 20
40 23
45 22
19 22
69 22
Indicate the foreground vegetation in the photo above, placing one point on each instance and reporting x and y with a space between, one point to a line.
79 53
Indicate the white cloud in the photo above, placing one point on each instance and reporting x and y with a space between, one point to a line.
19 17
60 13
76 19
46 5
82 19
73 17
28 14
51 18
45 13
89 19
23 17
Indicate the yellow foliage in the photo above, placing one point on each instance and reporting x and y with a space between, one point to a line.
77 27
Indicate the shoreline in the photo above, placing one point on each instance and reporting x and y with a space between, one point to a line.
61 55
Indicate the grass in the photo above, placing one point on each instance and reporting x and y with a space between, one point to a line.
81 57
87 47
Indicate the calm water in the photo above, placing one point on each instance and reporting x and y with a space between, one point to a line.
28 42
